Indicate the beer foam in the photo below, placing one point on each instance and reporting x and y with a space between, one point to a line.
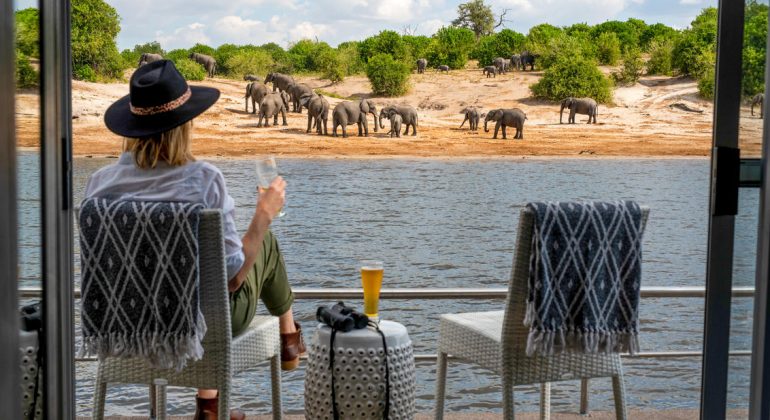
371 268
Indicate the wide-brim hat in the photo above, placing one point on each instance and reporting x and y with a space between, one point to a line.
159 99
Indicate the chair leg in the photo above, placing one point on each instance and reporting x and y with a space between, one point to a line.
441 365
545 401
508 408
100 394
275 382
159 400
153 401
619 391
223 397
584 396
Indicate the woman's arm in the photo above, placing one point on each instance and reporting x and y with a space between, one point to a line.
270 203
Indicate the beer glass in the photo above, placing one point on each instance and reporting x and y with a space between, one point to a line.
267 171
371 279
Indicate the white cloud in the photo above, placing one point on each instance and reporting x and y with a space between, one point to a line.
689 1
307 30
429 27
183 37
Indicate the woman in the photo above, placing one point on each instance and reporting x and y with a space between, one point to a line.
157 164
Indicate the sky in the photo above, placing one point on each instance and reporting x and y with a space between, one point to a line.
182 23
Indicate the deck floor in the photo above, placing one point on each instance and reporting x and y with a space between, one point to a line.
598 415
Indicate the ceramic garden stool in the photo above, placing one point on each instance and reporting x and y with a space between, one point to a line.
359 374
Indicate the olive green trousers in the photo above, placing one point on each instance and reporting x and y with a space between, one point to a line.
267 280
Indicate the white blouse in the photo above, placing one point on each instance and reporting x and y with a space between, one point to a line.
194 182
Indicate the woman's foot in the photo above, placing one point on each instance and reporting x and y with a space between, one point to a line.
207 409
292 347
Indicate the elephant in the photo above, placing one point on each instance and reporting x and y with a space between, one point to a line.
256 91
208 62
280 81
506 118
500 64
516 61
585 106
347 113
296 91
443 68
149 58
758 99
408 117
272 105
318 109
490 71
395 123
421 65
250 78
472 116
527 58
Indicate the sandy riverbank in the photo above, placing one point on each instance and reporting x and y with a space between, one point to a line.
641 122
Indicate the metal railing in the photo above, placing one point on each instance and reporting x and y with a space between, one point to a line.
498 293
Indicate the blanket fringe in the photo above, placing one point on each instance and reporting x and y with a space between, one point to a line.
162 351
546 343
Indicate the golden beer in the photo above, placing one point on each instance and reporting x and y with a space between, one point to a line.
371 279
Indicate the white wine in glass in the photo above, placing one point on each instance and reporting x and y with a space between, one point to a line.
267 171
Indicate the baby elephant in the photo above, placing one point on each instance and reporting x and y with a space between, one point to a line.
443 68
395 123
490 71
506 118
586 106
472 116
250 78
272 105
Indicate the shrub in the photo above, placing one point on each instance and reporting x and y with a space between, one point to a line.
417 46
706 84
131 57
176 55
249 62
27 31
502 44
84 72
280 57
350 58
330 65
633 67
388 76
539 37
627 32
202 49
563 47
608 48
655 32
451 47
26 76
573 77
94 26
386 42
754 48
190 70
661 51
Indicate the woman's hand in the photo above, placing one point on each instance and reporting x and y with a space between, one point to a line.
271 200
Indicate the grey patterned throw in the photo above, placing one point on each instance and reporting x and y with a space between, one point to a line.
585 273
139 264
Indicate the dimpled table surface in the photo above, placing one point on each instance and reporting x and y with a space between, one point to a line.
359 374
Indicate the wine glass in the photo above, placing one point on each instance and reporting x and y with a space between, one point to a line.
267 171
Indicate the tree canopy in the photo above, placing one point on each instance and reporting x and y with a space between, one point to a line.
477 16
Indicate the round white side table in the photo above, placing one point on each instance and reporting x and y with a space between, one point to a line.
359 374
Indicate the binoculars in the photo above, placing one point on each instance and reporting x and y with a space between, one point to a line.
341 317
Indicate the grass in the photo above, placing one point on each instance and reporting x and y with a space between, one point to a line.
334 95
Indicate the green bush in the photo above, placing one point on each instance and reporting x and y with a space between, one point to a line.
330 65
202 49
418 47
502 44
350 58
131 57
706 84
627 32
249 62
28 31
190 70
608 48
695 44
388 76
26 76
655 32
633 67
85 73
94 26
661 52
386 42
573 77
178 54
280 57
451 47
754 48
563 47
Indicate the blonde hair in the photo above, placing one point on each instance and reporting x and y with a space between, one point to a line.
172 147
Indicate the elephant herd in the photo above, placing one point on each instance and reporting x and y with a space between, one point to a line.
208 62
286 91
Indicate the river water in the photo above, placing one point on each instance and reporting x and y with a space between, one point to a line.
452 223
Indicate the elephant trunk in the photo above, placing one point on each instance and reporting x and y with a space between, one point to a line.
381 125
374 114
561 112
486 130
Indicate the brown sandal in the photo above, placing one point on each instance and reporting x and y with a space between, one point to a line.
292 347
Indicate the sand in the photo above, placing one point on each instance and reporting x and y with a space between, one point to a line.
641 123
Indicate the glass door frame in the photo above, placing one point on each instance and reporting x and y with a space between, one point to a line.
10 390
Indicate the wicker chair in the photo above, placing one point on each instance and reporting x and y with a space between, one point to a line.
497 341
224 355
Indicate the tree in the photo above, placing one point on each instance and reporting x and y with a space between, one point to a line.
539 36
131 57
388 77
754 48
661 52
386 42
573 77
451 47
502 44
608 48
95 25
478 17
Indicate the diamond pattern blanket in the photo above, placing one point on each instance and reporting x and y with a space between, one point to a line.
139 265
585 274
